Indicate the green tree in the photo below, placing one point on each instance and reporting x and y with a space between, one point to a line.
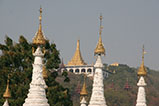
16 61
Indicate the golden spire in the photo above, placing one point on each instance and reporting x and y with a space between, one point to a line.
7 92
142 69
84 90
44 72
100 47
39 38
77 58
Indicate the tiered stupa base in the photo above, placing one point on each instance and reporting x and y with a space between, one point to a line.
36 96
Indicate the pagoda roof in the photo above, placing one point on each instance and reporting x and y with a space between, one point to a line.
77 59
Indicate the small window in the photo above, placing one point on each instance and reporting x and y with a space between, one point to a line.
83 70
77 70
89 70
71 70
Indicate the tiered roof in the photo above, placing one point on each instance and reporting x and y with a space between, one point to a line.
77 58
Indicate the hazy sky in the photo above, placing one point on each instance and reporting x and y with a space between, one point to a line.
128 24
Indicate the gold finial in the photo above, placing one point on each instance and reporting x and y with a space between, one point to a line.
39 39
84 90
44 72
100 47
77 58
7 92
142 70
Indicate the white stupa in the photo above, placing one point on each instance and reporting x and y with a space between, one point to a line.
37 95
6 103
97 97
83 102
141 96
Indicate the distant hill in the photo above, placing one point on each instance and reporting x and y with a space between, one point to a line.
114 86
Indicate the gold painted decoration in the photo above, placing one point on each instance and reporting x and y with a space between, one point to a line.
39 38
7 92
142 70
44 72
77 58
100 47
33 49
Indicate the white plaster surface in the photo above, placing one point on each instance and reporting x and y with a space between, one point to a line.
37 95
97 97
141 96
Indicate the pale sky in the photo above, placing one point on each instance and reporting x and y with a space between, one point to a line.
128 24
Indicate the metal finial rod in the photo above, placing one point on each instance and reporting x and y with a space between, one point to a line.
143 53
101 17
40 17
101 27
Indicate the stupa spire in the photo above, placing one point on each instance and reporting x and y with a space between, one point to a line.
77 58
39 38
100 47
142 70
7 94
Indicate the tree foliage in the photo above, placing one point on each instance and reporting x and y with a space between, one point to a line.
16 61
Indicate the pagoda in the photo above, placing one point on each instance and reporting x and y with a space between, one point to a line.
7 94
77 65
97 97
62 67
141 96
127 87
112 85
77 59
37 95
